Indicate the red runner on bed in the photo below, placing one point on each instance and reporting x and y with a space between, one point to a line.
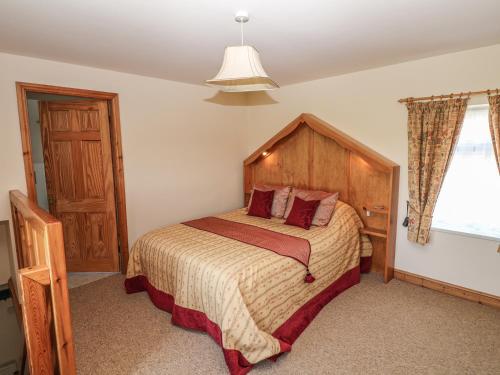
283 244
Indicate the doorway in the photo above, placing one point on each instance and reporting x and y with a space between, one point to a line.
74 169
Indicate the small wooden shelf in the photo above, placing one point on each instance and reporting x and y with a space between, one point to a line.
374 232
376 210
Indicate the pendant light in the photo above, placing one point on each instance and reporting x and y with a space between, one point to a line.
241 68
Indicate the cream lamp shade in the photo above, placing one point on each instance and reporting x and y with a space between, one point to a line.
242 71
241 68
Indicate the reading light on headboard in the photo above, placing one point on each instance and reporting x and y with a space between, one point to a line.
265 153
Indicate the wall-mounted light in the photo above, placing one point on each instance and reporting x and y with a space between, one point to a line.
377 209
265 153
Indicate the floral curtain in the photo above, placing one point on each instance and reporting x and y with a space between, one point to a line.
433 129
495 125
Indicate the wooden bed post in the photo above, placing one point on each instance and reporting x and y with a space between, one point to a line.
311 154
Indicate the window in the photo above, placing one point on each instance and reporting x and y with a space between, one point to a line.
469 201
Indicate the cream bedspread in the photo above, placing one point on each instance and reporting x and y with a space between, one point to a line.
247 291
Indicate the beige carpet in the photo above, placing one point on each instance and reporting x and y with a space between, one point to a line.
76 279
371 328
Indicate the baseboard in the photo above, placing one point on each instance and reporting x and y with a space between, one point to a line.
454 290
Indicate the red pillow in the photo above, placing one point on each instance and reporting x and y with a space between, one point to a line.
262 202
302 213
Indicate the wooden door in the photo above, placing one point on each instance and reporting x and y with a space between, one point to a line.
80 188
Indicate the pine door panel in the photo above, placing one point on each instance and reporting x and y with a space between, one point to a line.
80 186
59 120
93 174
97 232
72 243
88 120
65 178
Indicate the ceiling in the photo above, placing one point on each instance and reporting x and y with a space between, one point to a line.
298 41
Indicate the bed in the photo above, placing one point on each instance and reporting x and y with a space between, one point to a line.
252 301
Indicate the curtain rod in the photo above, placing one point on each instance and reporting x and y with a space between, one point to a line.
439 97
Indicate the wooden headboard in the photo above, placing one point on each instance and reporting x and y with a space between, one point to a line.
311 154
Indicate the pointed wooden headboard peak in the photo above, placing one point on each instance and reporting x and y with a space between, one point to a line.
327 130
311 154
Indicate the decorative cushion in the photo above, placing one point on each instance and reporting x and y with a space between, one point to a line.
302 213
280 200
326 208
261 203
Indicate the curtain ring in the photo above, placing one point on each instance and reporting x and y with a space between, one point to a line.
489 92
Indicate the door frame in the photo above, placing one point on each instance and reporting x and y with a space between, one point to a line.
23 88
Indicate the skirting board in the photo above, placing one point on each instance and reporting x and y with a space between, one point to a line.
454 290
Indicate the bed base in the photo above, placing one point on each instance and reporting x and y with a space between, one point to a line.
287 333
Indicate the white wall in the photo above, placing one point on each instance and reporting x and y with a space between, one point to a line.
182 152
365 106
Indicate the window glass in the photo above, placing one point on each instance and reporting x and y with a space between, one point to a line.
469 200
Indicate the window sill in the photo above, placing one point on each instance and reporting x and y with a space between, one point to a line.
466 234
